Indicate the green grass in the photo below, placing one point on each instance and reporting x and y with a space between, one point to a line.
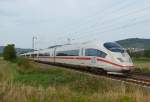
45 75
34 82
142 64
55 76
6 74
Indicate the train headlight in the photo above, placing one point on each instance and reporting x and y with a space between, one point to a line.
120 59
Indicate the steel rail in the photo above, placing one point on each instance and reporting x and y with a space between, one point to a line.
133 79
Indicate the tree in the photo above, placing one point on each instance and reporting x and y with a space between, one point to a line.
9 52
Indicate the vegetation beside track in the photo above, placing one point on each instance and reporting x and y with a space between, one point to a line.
142 65
27 81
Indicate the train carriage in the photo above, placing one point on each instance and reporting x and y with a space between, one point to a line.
109 57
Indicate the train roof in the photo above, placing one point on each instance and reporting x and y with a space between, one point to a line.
77 45
54 46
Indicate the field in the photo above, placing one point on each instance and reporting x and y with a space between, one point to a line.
27 81
142 64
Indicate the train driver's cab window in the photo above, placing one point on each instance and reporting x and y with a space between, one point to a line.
114 47
95 52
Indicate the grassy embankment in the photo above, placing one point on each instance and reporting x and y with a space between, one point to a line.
142 64
32 82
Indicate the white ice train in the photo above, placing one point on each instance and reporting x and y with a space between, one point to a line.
109 57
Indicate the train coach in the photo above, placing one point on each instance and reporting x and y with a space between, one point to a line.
109 57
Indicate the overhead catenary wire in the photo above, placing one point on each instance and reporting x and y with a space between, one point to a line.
117 28
103 31
107 26
93 26
101 13
109 22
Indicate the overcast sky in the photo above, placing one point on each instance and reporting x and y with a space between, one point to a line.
53 21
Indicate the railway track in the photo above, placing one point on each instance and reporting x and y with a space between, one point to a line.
134 79
141 80
138 79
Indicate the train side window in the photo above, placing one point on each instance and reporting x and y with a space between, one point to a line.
33 55
68 53
73 53
27 55
61 53
95 52
44 54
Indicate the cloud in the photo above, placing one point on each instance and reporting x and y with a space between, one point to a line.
54 20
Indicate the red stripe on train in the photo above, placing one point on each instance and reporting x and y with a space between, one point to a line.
88 58
106 61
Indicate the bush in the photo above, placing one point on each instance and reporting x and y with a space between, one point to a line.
147 53
25 65
23 62
1 54
9 52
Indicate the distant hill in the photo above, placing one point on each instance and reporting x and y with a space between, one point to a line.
18 50
135 43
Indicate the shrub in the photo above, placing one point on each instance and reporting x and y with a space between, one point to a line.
1 54
147 53
24 64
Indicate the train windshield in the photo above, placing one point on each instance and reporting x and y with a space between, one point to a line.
114 47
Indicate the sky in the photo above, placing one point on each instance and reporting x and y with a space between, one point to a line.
55 21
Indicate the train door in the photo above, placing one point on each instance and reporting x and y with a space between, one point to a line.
91 55
93 61
81 55
53 54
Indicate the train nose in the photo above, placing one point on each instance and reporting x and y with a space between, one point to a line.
127 68
125 61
